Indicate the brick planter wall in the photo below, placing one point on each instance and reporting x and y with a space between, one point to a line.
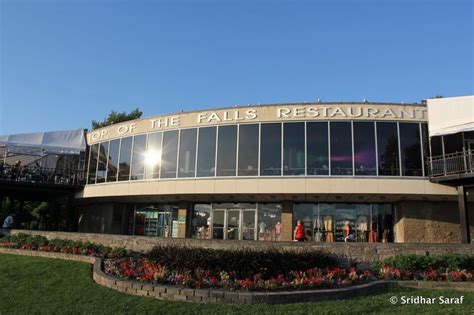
362 252
236 297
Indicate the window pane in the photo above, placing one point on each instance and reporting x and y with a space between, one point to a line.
169 154
138 157
113 160
364 148
293 149
269 222
94 149
341 148
124 160
436 146
270 150
317 148
411 149
426 147
226 150
453 143
248 150
102 166
201 221
387 145
187 153
206 152
153 155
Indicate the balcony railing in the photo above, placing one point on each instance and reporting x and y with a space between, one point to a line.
451 164
37 175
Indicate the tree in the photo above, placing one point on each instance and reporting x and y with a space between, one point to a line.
116 117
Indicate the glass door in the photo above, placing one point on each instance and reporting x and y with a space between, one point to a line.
248 224
233 224
218 220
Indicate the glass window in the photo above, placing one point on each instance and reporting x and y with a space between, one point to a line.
201 221
169 154
187 153
436 146
153 155
226 150
206 162
410 149
341 148
94 149
138 157
248 150
453 143
317 148
124 160
387 146
112 164
426 147
364 148
293 149
343 222
270 150
102 165
156 220
269 222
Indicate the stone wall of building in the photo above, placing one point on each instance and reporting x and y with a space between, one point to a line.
429 222
362 252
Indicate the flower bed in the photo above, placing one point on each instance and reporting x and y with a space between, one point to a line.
143 269
41 243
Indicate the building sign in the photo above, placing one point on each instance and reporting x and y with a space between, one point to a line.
262 114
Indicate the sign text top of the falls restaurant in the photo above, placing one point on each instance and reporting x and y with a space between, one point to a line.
270 113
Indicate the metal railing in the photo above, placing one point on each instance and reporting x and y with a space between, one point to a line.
37 175
450 164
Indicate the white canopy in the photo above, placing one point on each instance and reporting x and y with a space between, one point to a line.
450 115
63 141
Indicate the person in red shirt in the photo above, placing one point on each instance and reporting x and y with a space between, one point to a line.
299 232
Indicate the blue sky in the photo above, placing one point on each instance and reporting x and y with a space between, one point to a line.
65 63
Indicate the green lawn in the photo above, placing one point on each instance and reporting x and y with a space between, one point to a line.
40 285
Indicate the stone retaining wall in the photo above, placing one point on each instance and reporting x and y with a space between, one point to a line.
362 252
235 297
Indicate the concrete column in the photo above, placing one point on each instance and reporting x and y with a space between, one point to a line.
287 221
183 216
463 215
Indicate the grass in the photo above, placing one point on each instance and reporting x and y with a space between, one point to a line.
51 286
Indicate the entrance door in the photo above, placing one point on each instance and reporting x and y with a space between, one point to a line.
218 223
234 224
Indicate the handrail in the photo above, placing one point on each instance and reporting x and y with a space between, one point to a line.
41 175
451 164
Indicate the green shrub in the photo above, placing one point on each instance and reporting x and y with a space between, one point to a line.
245 262
421 262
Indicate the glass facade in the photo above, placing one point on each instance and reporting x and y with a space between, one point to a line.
341 148
364 149
169 154
248 150
387 145
138 157
269 149
125 158
345 222
317 147
226 151
293 149
187 153
206 159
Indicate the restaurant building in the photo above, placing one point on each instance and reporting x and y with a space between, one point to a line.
351 172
